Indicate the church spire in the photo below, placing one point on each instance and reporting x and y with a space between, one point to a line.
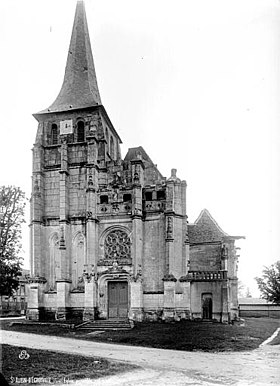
79 88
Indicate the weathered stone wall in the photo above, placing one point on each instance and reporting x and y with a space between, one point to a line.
259 311
199 288
154 253
51 194
205 257
77 191
77 299
179 263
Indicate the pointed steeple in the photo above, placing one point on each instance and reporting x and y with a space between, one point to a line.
79 88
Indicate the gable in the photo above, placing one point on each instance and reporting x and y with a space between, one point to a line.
205 229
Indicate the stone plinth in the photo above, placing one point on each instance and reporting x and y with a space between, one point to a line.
136 306
225 305
62 299
183 308
90 300
169 297
35 299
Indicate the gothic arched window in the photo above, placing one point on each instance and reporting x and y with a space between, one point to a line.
117 245
54 135
81 131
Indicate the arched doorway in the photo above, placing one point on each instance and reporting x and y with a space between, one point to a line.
207 306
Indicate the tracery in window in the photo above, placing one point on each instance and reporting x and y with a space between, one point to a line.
117 245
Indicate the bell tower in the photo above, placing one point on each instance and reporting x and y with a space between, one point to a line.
109 236
75 139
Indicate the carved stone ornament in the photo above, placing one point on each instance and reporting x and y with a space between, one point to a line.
224 252
138 277
185 278
89 215
89 276
36 279
81 283
169 277
115 271
169 228
93 125
62 239
36 189
90 181
90 185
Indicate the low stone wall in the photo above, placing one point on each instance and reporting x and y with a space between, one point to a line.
12 308
259 310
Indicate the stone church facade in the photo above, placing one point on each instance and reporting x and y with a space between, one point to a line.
110 236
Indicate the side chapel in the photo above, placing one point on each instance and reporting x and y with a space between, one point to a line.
110 236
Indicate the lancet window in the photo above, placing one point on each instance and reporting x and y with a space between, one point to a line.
54 135
81 131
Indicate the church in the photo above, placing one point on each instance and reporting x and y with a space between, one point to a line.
110 237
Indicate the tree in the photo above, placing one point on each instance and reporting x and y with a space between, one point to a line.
12 205
269 283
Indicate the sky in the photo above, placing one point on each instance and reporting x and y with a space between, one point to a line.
195 82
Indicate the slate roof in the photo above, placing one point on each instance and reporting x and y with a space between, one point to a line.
135 152
79 88
205 229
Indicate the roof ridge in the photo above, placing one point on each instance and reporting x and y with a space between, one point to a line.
206 211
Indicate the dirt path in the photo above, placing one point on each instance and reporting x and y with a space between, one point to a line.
166 367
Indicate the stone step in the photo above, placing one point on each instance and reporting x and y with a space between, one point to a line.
105 325
104 328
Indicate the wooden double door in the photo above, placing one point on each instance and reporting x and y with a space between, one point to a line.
117 299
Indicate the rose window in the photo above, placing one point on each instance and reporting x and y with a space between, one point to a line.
117 245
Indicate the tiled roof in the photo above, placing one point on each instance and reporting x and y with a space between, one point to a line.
79 88
205 229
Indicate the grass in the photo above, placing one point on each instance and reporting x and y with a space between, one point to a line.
193 336
185 335
54 367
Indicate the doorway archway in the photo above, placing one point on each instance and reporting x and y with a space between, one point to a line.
207 306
